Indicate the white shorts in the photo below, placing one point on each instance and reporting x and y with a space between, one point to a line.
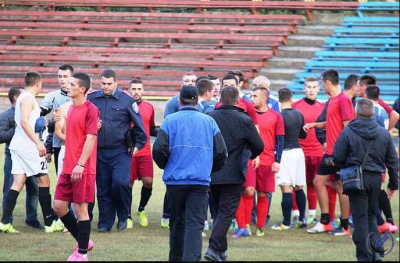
61 159
28 163
292 168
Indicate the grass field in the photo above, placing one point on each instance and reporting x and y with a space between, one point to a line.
151 243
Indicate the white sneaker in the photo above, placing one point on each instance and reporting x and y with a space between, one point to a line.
320 228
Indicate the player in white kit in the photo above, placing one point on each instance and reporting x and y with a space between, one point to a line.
27 154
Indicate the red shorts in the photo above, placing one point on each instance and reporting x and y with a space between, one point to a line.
250 176
312 165
79 192
141 166
265 179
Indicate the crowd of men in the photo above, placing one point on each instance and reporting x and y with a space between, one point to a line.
219 148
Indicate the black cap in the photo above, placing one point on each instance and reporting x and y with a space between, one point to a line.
189 93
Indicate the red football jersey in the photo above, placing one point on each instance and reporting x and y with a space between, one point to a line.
311 146
270 124
81 121
147 112
340 109
387 108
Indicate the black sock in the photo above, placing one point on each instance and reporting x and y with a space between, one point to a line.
11 201
286 207
90 210
71 224
45 204
325 219
344 223
83 236
301 203
384 204
144 198
130 204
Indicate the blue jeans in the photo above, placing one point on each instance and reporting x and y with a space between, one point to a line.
112 180
188 209
32 190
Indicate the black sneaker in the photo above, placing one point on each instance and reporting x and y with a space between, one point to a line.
211 255
35 224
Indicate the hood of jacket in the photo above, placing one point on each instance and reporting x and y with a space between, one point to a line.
367 128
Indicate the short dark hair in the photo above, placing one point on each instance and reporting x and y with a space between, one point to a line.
372 92
367 80
32 78
237 73
12 92
66 67
83 80
200 78
285 94
350 81
212 77
229 95
331 75
264 90
227 77
203 86
365 108
109 73
135 81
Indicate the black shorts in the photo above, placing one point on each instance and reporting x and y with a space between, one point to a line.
327 170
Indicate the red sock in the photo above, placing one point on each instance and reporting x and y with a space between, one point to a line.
332 195
248 207
311 197
240 214
294 203
262 210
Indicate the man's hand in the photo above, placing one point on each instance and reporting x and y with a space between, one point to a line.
135 150
255 162
48 157
276 167
41 149
56 117
99 123
308 126
324 147
76 175
390 193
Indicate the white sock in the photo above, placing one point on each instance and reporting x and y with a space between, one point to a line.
312 212
296 213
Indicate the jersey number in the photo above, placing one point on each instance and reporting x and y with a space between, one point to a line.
44 165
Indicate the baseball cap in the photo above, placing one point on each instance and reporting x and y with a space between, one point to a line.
189 93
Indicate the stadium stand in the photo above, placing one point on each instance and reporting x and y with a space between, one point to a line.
201 6
362 45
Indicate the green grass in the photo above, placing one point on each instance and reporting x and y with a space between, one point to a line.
151 243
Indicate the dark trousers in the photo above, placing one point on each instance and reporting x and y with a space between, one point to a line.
188 208
363 205
32 190
226 199
112 180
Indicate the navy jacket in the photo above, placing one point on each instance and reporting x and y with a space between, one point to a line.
7 127
189 146
242 141
117 112
351 146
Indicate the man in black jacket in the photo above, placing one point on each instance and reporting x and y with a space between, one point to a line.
349 150
243 142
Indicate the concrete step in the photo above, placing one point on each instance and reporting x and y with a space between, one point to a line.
280 76
306 40
316 30
287 62
298 52
321 18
